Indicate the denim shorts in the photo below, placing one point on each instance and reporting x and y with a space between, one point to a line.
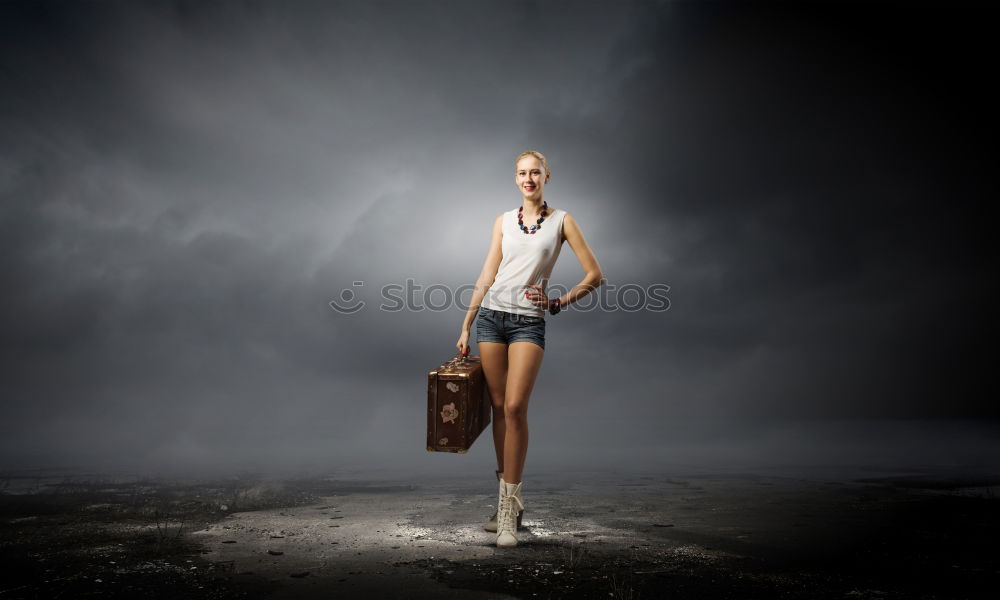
507 328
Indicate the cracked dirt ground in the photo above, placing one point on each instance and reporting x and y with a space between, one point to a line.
590 535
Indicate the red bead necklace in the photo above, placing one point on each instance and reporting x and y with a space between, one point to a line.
536 226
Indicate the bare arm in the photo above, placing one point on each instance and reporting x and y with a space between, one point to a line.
487 276
593 277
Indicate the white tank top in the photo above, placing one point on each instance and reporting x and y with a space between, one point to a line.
527 260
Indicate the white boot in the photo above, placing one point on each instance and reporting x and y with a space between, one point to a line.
511 507
491 525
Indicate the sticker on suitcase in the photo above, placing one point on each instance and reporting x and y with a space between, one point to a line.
449 413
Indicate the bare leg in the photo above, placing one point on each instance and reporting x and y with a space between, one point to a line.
494 358
524 361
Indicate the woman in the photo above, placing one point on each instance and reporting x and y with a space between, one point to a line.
509 304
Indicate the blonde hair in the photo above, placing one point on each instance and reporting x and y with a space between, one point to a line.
536 154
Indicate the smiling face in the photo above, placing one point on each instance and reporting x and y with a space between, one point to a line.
531 177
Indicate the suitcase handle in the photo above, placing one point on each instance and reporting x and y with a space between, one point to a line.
459 358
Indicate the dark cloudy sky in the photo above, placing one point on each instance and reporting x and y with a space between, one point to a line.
187 185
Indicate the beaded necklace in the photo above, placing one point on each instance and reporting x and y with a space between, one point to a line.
538 224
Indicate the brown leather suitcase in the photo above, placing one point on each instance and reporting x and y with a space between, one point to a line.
458 404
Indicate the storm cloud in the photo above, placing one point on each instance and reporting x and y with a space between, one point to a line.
186 186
